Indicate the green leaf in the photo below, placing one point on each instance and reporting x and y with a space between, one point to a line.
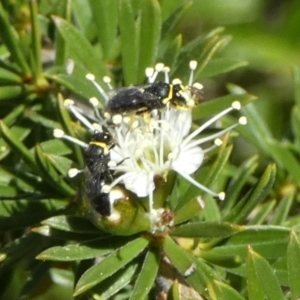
71 224
90 249
172 19
284 157
194 50
240 177
105 15
10 38
268 241
221 65
212 107
200 277
206 229
14 114
212 210
40 119
48 231
263 211
255 290
80 49
256 130
293 264
223 291
110 265
29 244
15 143
282 211
149 35
264 275
69 128
117 281
129 41
78 85
56 147
170 55
146 277
17 214
258 194
16 132
8 77
10 92
49 173
187 211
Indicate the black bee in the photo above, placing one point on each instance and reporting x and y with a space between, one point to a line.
97 157
97 154
99 200
155 96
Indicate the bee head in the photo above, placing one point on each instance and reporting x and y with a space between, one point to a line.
102 137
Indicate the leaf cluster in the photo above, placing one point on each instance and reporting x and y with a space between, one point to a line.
246 247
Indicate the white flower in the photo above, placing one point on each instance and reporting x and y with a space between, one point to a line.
157 142
160 144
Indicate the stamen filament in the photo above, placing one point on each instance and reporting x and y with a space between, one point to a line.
101 91
208 123
197 184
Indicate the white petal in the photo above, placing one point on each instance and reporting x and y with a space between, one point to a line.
188 161
139 183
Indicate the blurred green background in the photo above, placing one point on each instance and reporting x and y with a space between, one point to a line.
267 35
264 33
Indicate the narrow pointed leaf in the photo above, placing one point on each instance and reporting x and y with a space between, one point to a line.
265 276
30 244
16 134
238 181
282 210
110 265
67 124
189 210
260 191
129 41
117 281
10 38
256 129
15 143
293 265
172 19
284 158
263 212
50 174
170 54
222 65
48 231
8 77
149 35
200 277
269 241
71 224
146 276
80 49
223 291
88 250
105 15
17 214
206 229
255 290
77 84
